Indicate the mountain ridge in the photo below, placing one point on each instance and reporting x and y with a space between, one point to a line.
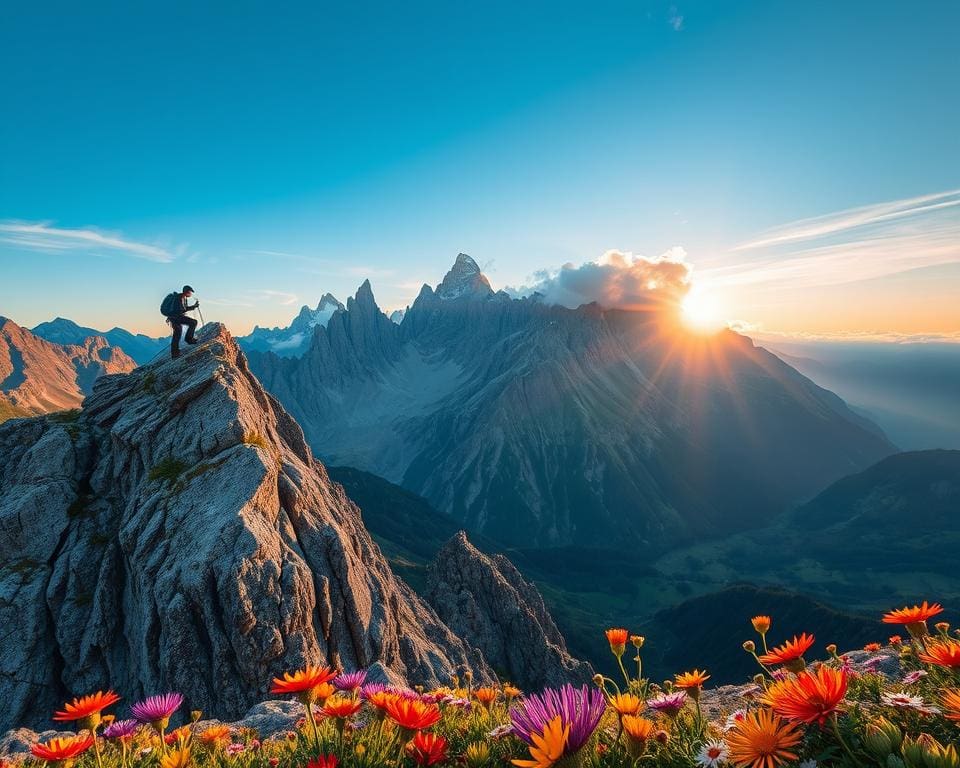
531 422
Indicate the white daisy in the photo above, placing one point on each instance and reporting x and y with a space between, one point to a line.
712 754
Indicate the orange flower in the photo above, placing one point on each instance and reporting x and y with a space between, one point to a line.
62 750
694 679
181 734
950 698
762 740
896 640
618 640
215 735
943 653
486 696
809 696
639 731
548 745
380 699
511 691
914 618
427 748
872 647
412 714
761 624
790 653
625 703
340 707
87 708
304 682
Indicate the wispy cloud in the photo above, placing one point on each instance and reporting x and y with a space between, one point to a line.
675 19
42 236
849 246
281 297
852 218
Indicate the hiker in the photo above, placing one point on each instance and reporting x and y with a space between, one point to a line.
174 308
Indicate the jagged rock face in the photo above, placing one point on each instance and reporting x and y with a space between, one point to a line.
294 339
539 425
178 534
37 376
485 599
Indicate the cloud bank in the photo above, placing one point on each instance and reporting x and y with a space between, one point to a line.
618 280
43 237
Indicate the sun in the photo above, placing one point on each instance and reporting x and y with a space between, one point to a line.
703 312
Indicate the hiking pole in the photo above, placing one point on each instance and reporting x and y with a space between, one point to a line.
202 322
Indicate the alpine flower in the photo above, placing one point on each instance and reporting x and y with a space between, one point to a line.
62 751
712 754
950 698
87 708
157 710
904 700
486 696
578 708
304 683
547 745
638 730
324 761
618 640
176 758
942 652
216 735
810 696
669 704
625 703
790 654
915 618
427 748
692 682
761 624
763 740
121 730
350 681
412 714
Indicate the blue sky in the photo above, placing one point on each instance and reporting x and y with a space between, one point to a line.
268 154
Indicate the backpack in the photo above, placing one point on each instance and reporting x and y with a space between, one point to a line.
170 305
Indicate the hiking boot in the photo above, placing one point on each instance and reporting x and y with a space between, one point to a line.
175 355
193 341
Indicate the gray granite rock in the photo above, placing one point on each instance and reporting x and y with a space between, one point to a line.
179 535
486 601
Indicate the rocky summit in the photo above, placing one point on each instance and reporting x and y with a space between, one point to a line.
177 534
486 599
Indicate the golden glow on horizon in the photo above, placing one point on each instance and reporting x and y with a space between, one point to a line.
703 312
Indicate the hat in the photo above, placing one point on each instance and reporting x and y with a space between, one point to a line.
187 289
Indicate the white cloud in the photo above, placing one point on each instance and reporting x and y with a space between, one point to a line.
281 297
617 280
41 236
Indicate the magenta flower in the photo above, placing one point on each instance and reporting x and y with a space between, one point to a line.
580 708
157 709
350 681
121 729
668 703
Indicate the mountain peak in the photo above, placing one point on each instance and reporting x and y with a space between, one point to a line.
464 279
220 512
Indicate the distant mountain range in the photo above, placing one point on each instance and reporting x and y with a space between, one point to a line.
37 376
538 425
139 347
295 338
